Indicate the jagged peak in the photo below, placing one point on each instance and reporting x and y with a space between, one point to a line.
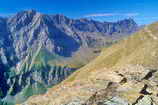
60 16
128 20
24 17
26 14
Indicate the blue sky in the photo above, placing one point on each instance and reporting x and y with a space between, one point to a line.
143 11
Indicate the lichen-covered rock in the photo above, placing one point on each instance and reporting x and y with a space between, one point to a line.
115 101
145 100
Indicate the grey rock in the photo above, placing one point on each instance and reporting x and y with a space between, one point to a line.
146 100
115 101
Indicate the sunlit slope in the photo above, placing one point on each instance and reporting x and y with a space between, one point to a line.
140 48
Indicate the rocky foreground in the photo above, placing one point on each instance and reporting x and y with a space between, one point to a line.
129 85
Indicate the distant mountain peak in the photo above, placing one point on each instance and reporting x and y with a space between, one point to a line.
127 21
26 14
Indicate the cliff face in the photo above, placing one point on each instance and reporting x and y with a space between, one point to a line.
38 51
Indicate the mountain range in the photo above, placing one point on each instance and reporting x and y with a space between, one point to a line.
38 51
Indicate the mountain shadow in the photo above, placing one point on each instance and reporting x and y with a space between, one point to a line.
64 44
